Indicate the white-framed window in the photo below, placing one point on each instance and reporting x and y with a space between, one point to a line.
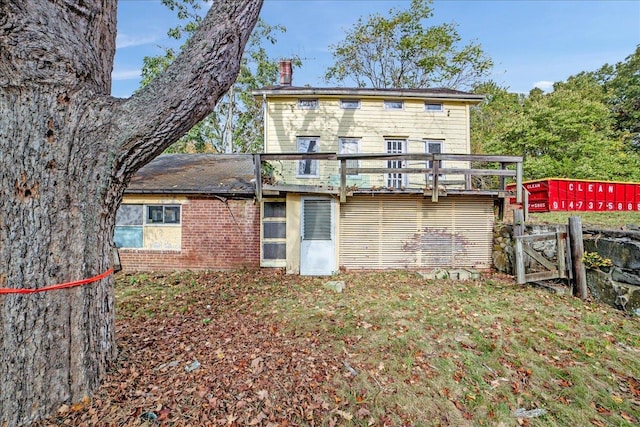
393 104
349 104
274 233
434 107
433 146
132 219
396 146
308 103
350 146
163 214
308 168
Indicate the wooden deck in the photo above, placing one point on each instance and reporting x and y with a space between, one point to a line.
503 169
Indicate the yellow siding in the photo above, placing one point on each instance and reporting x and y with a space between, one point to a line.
162 237
371 123
153 199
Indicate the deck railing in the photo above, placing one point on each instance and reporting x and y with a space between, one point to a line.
347 174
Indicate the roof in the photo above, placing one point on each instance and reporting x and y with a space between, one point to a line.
214 174
427 93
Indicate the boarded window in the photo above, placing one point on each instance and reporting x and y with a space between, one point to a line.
128 230
131 223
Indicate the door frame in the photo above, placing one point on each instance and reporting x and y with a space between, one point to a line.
332 259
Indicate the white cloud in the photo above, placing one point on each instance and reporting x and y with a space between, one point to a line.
124 40
545 85
126 74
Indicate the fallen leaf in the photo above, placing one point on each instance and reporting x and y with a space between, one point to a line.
347 416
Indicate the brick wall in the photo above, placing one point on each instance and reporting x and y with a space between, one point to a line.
216 235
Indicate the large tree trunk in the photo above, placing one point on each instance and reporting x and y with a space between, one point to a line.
67 151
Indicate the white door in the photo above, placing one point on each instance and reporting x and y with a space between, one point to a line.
317 248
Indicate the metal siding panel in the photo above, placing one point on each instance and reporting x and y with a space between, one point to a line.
412 232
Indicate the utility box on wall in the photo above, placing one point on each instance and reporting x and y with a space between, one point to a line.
558 194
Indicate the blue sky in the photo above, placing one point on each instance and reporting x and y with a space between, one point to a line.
532 43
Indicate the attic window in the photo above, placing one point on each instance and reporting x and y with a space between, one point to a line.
349 104
433 107
393 104
307 104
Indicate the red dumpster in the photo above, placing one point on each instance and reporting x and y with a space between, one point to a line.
559 194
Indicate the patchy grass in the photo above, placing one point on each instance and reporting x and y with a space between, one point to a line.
393 349
608 220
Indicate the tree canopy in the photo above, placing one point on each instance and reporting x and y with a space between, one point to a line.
401 51
236 123
581 130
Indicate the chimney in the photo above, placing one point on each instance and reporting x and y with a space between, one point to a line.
285 72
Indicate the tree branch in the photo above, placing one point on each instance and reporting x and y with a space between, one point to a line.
163 111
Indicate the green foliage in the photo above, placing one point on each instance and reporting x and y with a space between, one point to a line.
571 132
594 261
236 124
622 87
401 51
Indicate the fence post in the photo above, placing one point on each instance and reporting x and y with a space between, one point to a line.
518 231
577 252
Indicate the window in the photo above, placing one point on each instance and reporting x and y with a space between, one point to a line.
274 233
128 231
395 179
161 214
432 146
391 104
308 168
433 107
349 104
307 104
131 223
350 146
133 219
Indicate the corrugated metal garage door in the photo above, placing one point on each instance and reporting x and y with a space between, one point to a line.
395 232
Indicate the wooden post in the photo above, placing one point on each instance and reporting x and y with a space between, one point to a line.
577 252
343 180
519 182
502 178
258 176
518 231
561 254
436 171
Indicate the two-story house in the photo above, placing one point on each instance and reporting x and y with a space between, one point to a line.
373 179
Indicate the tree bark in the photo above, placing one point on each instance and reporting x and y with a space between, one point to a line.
67 151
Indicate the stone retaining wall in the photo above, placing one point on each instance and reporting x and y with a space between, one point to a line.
618 285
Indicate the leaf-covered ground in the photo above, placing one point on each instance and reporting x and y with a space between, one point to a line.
393 349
